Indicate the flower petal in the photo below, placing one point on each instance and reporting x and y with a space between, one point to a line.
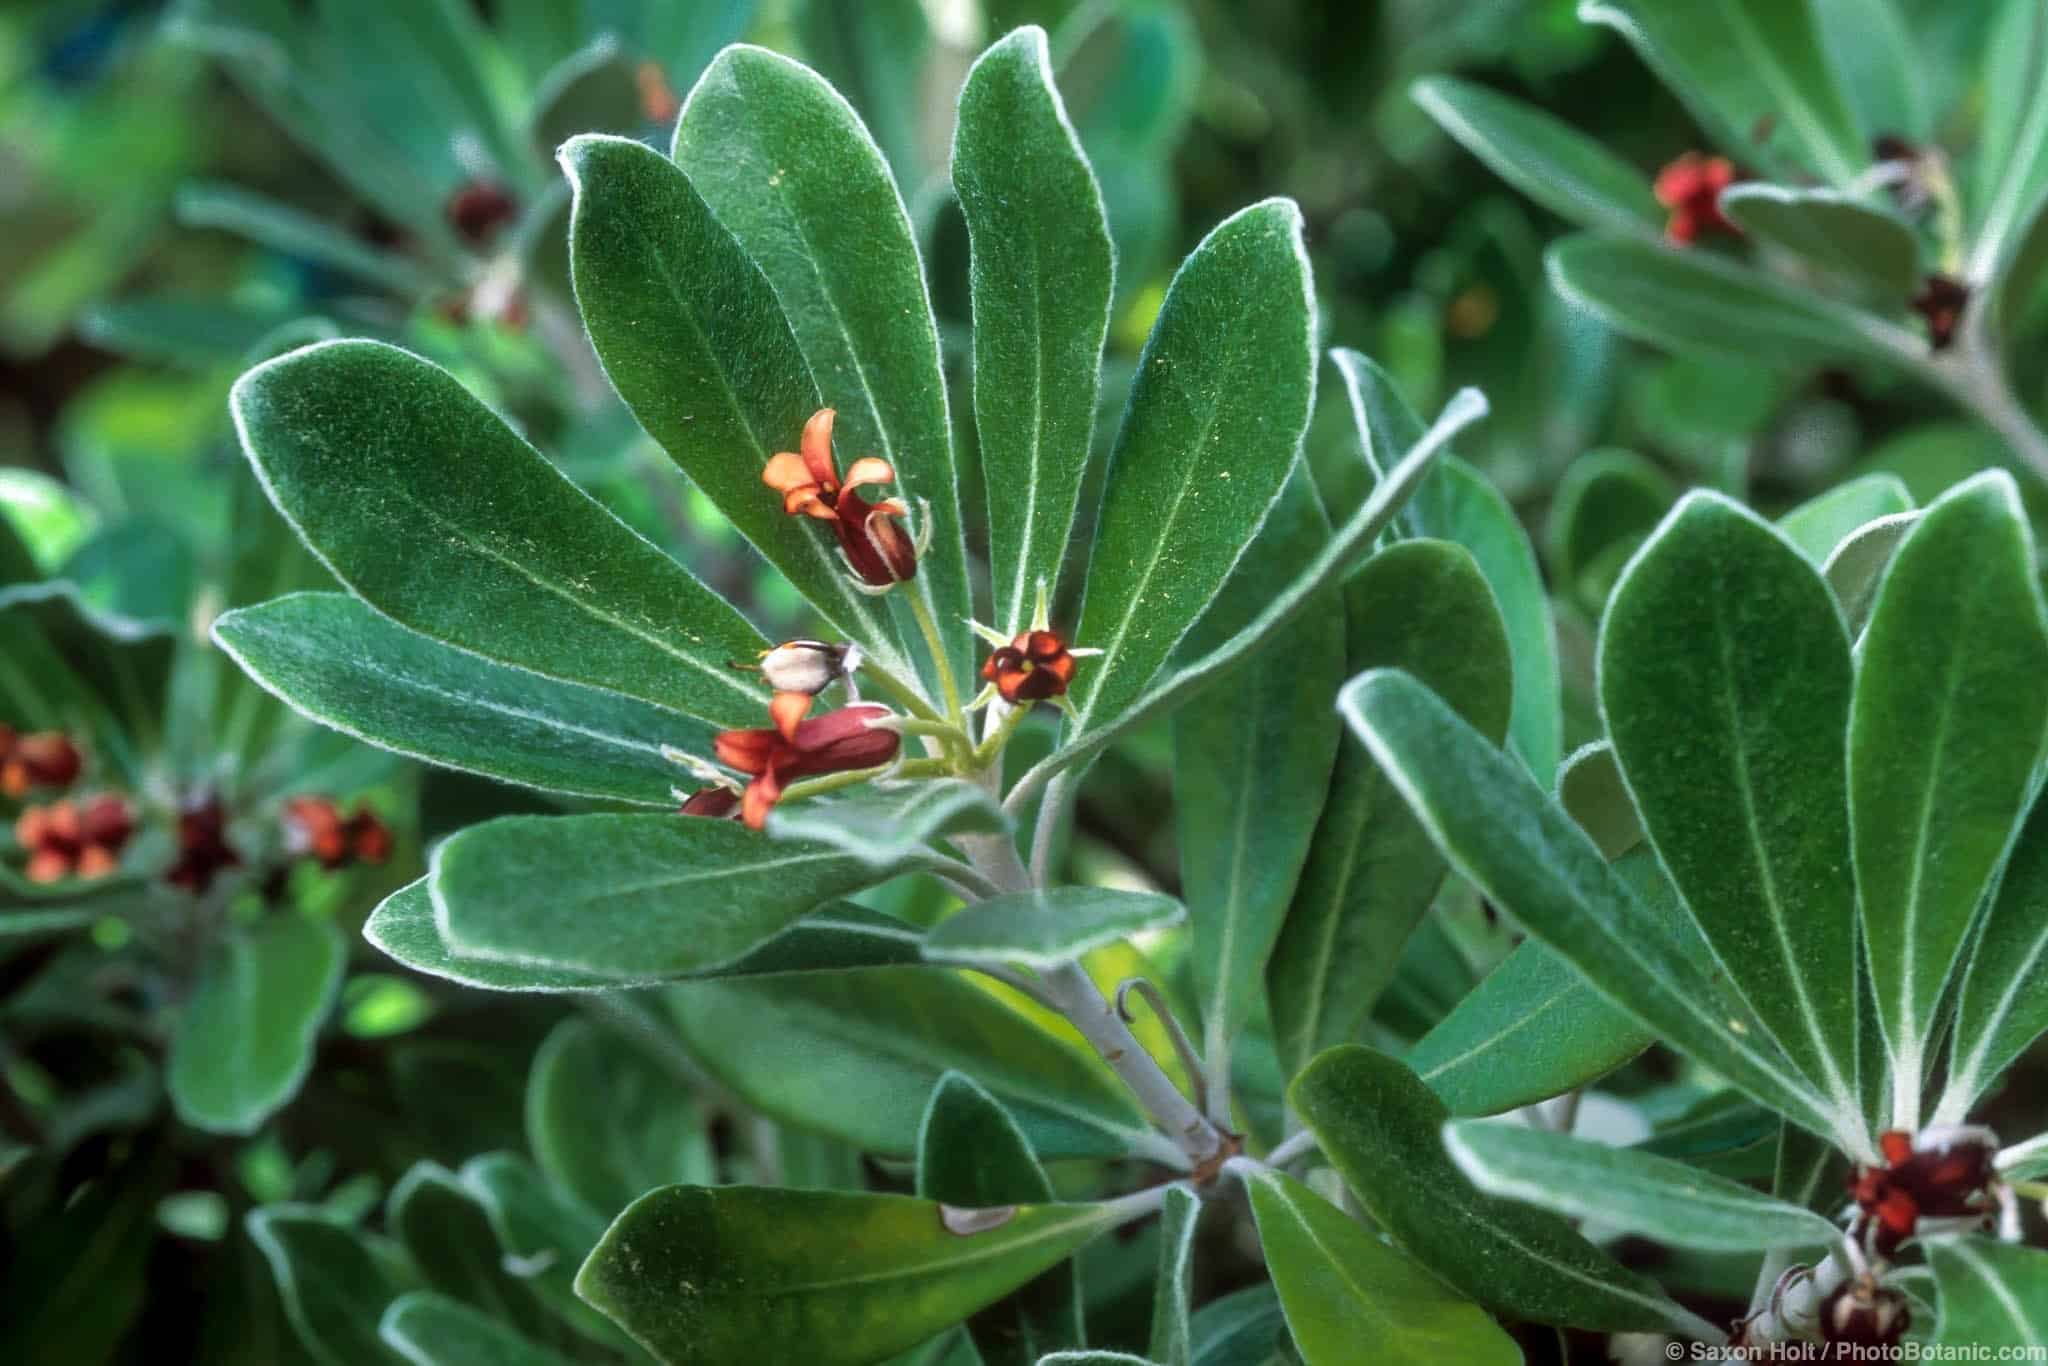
817 448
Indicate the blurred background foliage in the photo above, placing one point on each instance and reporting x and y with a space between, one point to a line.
192 185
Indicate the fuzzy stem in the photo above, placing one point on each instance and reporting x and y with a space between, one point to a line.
1296 1147
853 777
906 697
936 643
990 749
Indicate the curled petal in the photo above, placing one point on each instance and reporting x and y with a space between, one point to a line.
809 501
760 798
786 472
749 751
787 710
891 546
717 803
817 448
869 469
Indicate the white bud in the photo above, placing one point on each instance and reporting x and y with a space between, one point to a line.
805 666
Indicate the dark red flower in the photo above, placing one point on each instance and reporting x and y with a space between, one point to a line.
1690 188
203 849
837 742
315 827
1862 1313
479 210
658 102
1942 1176
45 759
1941 301
1034 666
73 839
871 534
717 803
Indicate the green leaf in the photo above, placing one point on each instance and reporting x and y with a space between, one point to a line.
628 897
1592 791
1048 927
245 1041
1567 172
1531 1030
1724 683
1820 524
433 511
1456 503
543 1232
1690 302
2012 151
742 1273
1856 568
1753 72
787 1046
1607 502
644 1135
448 1234
1871 249
1252 766
1093 1359
887 828
1946 734
2003 1005
429 1329
834 937
334 1286
694 340
1350 1297
1628 1190
290 232
1382 1128
1526 856
1215 418
790 171
1173 1339
338 662
1243 1328
67 666
1372 872
1880 64
972 1155
1040 277
1993 1295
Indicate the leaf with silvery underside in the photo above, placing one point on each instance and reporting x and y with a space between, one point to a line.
344 665
1372 872
430 1329
695 341
1042 929
786 1045
1040 271
1692 303
1456 503
1252 766
1531 1030
1725 680
887 826
1592 792
448 1236
1629 1190
1564 170
1172 1339
244 1042
1946 735
1993 1295
971 1154
741 1273
1871 249
1382 1129
629 896
2003 1005
834 937
428 507
1753 72
1215 420
1856 568
1822 523
543 1232
1349 1296
333 1283
790 171
644 1134
1527 857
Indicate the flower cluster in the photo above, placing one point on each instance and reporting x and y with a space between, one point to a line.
67 839
1943 1175
1690 188
315 828
840 741
203 849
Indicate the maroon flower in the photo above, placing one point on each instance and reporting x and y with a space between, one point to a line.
45 759
715 802
479 210
1941 301
1942 1176
837 742
315 827
1690 188
73 839
203 849
1034 666
869 533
